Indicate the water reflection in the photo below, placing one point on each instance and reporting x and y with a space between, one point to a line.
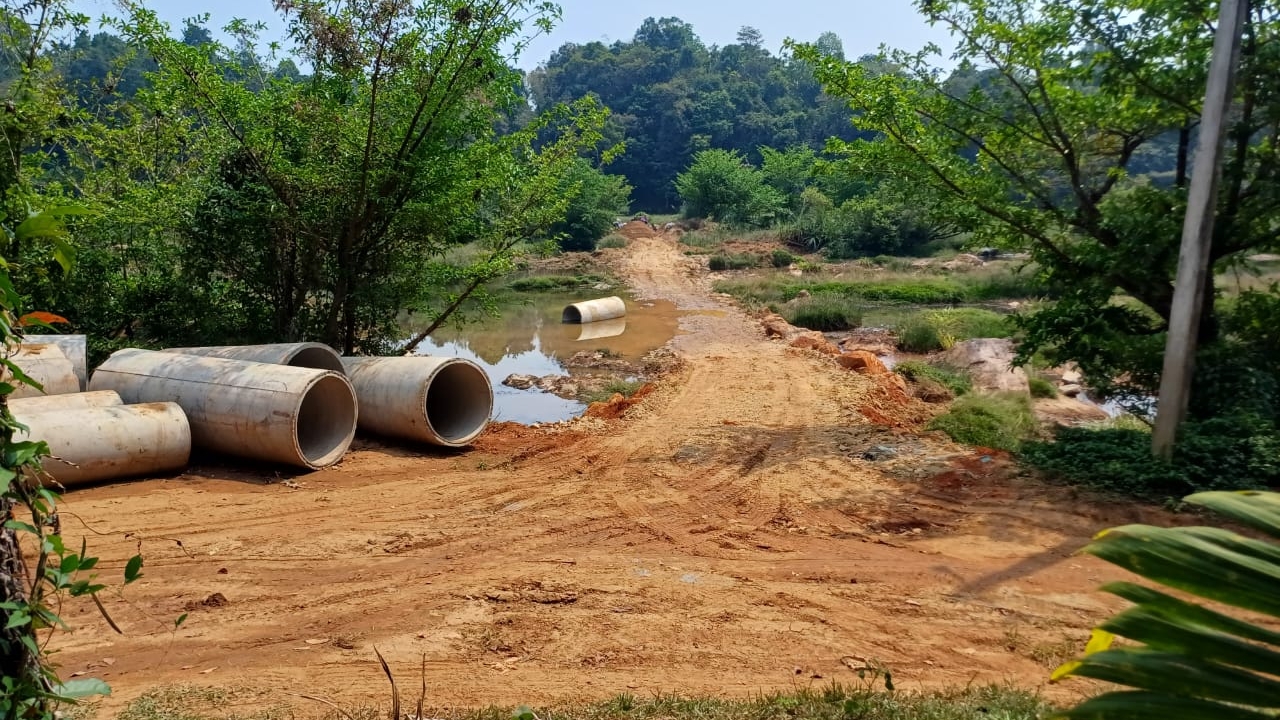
529 339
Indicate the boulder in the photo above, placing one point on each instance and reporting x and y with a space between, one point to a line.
1071 390
777 326
1067 411
861 361
990 363
520 382
814 340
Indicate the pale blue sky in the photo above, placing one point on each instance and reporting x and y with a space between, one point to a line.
862 24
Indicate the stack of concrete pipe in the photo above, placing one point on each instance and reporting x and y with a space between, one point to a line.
295 404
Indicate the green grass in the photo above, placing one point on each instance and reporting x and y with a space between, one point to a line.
612 241
553 283
934 330
829 703
625 388
704 239
876 283
953 379
735 261
824 312
1001 421
1042 388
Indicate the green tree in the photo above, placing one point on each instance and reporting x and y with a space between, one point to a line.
597 200
789 172
722 185
1037 152
329 202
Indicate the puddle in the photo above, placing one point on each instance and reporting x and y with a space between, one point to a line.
530 340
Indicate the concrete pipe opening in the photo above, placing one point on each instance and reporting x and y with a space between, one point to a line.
589 311
320 357
323 421
459 402
311 355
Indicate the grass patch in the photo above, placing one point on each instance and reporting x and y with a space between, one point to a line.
704 239
735 261
625 388
613 241
824 312
1000 421
951 378
553 283
831 703
935 330
781 258
1042 388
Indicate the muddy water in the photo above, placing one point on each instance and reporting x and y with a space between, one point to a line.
529 339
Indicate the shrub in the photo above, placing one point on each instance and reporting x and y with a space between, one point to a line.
721 184
613 242
719 263
824 313
1221 454
952 378
917 335
552 283
940 329
597 199
1042 388
1001 421
782 258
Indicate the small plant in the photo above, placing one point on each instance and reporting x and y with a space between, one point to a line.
940 329
781 258
953 379
625 388
1001 421
825 313
613 242
1042 387
917 335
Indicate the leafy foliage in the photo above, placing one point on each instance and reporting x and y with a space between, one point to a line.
722 186
934 330
1001 421
954 379
1189 661
597 201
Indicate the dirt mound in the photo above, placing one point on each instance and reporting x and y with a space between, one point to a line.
616 406
636 230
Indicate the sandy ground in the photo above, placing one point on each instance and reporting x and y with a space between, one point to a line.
725 536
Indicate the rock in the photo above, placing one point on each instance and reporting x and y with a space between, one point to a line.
1071 390
990 363
879 452
861 361
1067 411
932 391
814 340
803 294
777 326
968 259
520 382
1072 377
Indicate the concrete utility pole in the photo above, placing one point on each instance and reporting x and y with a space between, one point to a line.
1197 230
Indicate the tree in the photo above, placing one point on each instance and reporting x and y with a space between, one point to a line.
597 201
342 191
751 37
1038 153
721 185
830 45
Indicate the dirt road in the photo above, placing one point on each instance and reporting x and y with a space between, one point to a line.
728 534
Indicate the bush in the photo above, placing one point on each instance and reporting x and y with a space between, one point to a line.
824 313
782 258
552 283
952 378
1042 388
940 329
1237 453
722 185
742 261
1002 421
917 335
613 242
597 199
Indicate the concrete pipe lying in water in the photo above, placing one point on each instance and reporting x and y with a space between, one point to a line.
75 347
442 401
70 402
305 355
291 415
589 311
47 365
602 329
105 443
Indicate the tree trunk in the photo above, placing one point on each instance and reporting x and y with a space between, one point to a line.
16 661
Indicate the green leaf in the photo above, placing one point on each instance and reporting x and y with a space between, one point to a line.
1258 510
1161 634
19 525
133 570
1139 705
82 688
1179 675
1190 614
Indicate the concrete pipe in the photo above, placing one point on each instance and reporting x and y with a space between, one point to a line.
70 402
47 365
442 401
105 443
305 355
589 311
276 413
75 347
602 329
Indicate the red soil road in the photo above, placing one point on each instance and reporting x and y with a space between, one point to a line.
724 536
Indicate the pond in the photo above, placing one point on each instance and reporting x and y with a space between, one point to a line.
530 339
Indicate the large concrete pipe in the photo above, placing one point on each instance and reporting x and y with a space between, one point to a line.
105 443
590 311
306 354
75 347
69 402
439 400
602 329
47 365
296 416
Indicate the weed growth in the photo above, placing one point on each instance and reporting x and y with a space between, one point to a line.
824 312
1001 421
